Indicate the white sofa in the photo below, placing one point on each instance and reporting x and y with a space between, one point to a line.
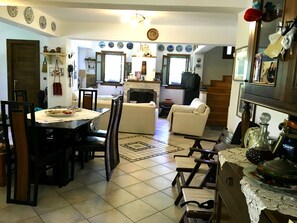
136 118
189 119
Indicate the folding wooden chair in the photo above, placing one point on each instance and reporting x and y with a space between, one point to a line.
195 166
202 165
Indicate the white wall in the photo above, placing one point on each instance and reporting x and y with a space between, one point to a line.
214 66
233 120
167 34
12 32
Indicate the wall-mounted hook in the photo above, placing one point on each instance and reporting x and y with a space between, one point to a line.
70 55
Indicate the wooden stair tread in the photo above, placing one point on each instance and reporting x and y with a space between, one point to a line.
218 99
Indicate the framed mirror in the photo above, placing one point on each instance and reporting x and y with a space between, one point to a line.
268 47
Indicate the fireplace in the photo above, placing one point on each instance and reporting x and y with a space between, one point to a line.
142 91
141 95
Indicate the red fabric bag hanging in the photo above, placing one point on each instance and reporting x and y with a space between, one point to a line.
57 87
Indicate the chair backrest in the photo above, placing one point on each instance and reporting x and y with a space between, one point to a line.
109 163
115 147
87 98
19 95
18 121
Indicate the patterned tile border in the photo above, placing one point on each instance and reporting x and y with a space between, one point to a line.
140 147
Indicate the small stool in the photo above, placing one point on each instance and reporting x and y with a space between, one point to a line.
165 107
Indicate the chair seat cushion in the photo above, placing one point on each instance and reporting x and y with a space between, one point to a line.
184 163
200 195
95 142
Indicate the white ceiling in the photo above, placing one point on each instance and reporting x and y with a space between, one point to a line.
165 12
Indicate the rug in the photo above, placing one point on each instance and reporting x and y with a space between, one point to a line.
140 147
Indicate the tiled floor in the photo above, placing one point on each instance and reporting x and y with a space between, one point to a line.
137 192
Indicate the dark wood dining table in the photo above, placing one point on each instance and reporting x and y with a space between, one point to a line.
66 135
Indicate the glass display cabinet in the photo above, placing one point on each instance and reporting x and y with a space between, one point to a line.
272 69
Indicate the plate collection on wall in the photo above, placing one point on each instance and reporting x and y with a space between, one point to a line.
42 22
53 26
29 15
12 11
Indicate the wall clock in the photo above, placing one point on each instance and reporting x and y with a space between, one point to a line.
29 15
152 34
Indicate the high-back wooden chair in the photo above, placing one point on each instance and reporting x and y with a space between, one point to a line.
27 157
19 95
87 98
104 147
115 131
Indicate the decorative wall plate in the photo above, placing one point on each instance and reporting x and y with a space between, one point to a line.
111 44
161 47
170 48
120 45
101 44
130 46
189 48
53 26
29 15
12 11
179 48
42 22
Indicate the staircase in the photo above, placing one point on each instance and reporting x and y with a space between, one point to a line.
218 96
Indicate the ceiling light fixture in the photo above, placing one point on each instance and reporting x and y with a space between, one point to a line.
136 19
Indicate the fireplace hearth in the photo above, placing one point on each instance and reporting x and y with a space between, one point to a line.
142 91
141 95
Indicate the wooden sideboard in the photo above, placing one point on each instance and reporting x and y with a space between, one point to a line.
231 205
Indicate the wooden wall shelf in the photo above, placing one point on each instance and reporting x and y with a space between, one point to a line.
51 56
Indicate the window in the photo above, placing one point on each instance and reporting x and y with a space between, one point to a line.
110 67
173 67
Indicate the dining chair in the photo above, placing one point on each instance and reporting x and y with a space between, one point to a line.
87 98
19 95
28 158
104 147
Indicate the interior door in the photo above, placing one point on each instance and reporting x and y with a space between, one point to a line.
23 67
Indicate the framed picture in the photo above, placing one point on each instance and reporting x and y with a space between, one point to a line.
240 104
268 72
257 67
240 64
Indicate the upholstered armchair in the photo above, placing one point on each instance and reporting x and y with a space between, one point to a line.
188 119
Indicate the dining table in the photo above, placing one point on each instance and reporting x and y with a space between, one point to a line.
66 129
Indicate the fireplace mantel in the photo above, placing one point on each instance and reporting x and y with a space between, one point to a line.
134 84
